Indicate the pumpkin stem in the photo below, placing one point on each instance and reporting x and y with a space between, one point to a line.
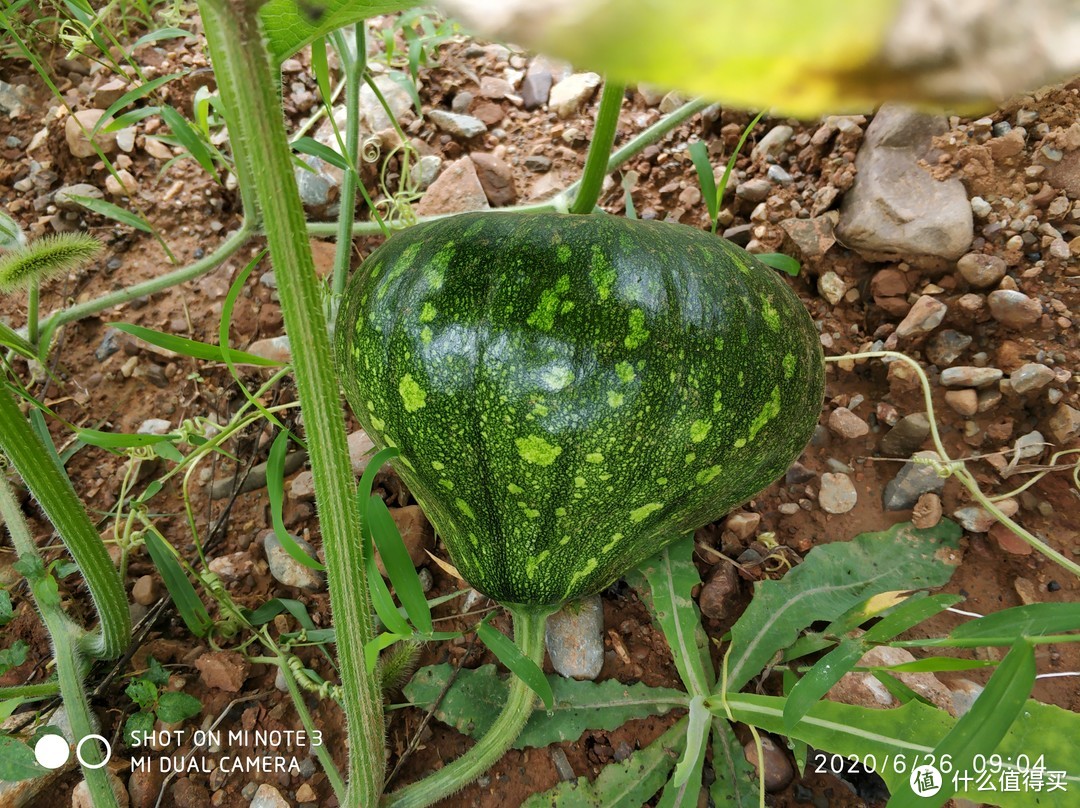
529 625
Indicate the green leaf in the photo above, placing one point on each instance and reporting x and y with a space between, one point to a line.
111 211
699 154
13 656
832 579
9 338
11 234
119 440
160 34
155 672
632 782
935 664
272 608
190 139
130 97
17 761
191 347
476 696
736 783
671 576
307 145
174 707
684 787
137 727
510 655
398 565
784 263
176 581
143 692
289 25
908 615
321 68
1033 620
275 492
6 612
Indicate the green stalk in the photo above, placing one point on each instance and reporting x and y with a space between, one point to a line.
248 85
32 313
53 490
70 667
355 65
529 625
596 163
35 692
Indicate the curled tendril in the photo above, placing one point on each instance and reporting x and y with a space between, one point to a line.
371 149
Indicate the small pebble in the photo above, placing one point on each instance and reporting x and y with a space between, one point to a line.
778 769
1031 376
965 376
847 424
980 270
286 569
965 402
837 494
575 641
927 511
1014 309
926 314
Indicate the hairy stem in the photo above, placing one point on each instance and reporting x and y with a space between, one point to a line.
53 490
529 627
32 313
248 85
596 163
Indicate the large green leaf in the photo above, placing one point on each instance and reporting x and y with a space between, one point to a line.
17 761
291 24
914 730
736 783
833 579
476 696
630 783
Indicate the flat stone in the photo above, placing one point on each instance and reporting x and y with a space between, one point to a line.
397 98
462 126
1030 445
109 93
225 670
907 436
926 314
535 89
1014 309
809 238
772 143
496 177
425 170
945 347
837 493
568 96
361 449
755 190
1032 376
288 571
912 481
575 638
456 190
302 488
717 596
743 524
1064 424
976 519
895 207
1009 541
77 128
847 424
145 591
232 567
275 348
969 376
980 270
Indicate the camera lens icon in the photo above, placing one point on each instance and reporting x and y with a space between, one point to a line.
53 751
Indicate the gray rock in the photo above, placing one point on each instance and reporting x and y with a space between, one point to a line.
1032 376
575 639
1014 308
110 344
426 169
154 426
461 103
535 88
913 480
288 571
538 163
496 177
754 191
11 100
268 797
462 126
397 99
567 97
1065 424
946 347
907 436
779 175
967 376
964 692
456 190
318 187
980 270
811 238
772 143
895 207
976 519
837 494
1031 445
63 197
831 287
926 314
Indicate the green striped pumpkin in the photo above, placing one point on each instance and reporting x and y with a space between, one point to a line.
571 393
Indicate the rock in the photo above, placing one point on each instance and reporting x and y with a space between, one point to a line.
397 99
964 402
1009 541
123 184
975 519
465 127
109 93
77 129
778 769
754 191
772 143
125 139
416 532
912 481
1032 376
1027 590
980 270
847 424
717 595
963 693
575 638
275 348
538 163
302 488
456 190
143 787
567 97
231 567
863 688
268 797
11 99
361 449
318 187
831 287
779 175
496 177
1014 309
154 426
927 511
837 494
926 314
461 103
495 88
945 347
907 436
895 207
798 473
535 88
145 591
1031 445
186 793
80 795
286 569
225 670
156 149
63 196
1064 424
968 376
811 238
426 169
743 524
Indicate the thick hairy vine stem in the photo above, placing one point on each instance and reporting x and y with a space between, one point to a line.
529 625
248 84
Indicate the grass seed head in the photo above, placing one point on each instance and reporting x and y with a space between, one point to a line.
45 258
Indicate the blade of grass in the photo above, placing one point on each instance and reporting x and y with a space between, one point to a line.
511 656
190 140
131 96
699 155
193 348
784 263
191 608
114 212
399 566
275 490
307 145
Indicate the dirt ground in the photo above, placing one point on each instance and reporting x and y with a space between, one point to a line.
194 214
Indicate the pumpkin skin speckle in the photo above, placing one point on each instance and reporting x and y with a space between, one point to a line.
541 487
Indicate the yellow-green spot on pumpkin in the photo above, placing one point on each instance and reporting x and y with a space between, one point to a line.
563 253
602 273
690 458
447 484
425 335
789 365
463 506
427 312
638 333
699 430
638 514
515 489
530 513
413 396
579 482
378 423
739 443
543 316
590 565
625 372
560 512
769 411
615 537
438 465
532 563
661 481
534 449
594 457
770 315
707 475
615 399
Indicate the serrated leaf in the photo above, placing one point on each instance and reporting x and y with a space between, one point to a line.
174 707
13 656
632 782
6 612
833 579
289 25
137 727
142 691
155 672
476 696
671 576
736 783
17 761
